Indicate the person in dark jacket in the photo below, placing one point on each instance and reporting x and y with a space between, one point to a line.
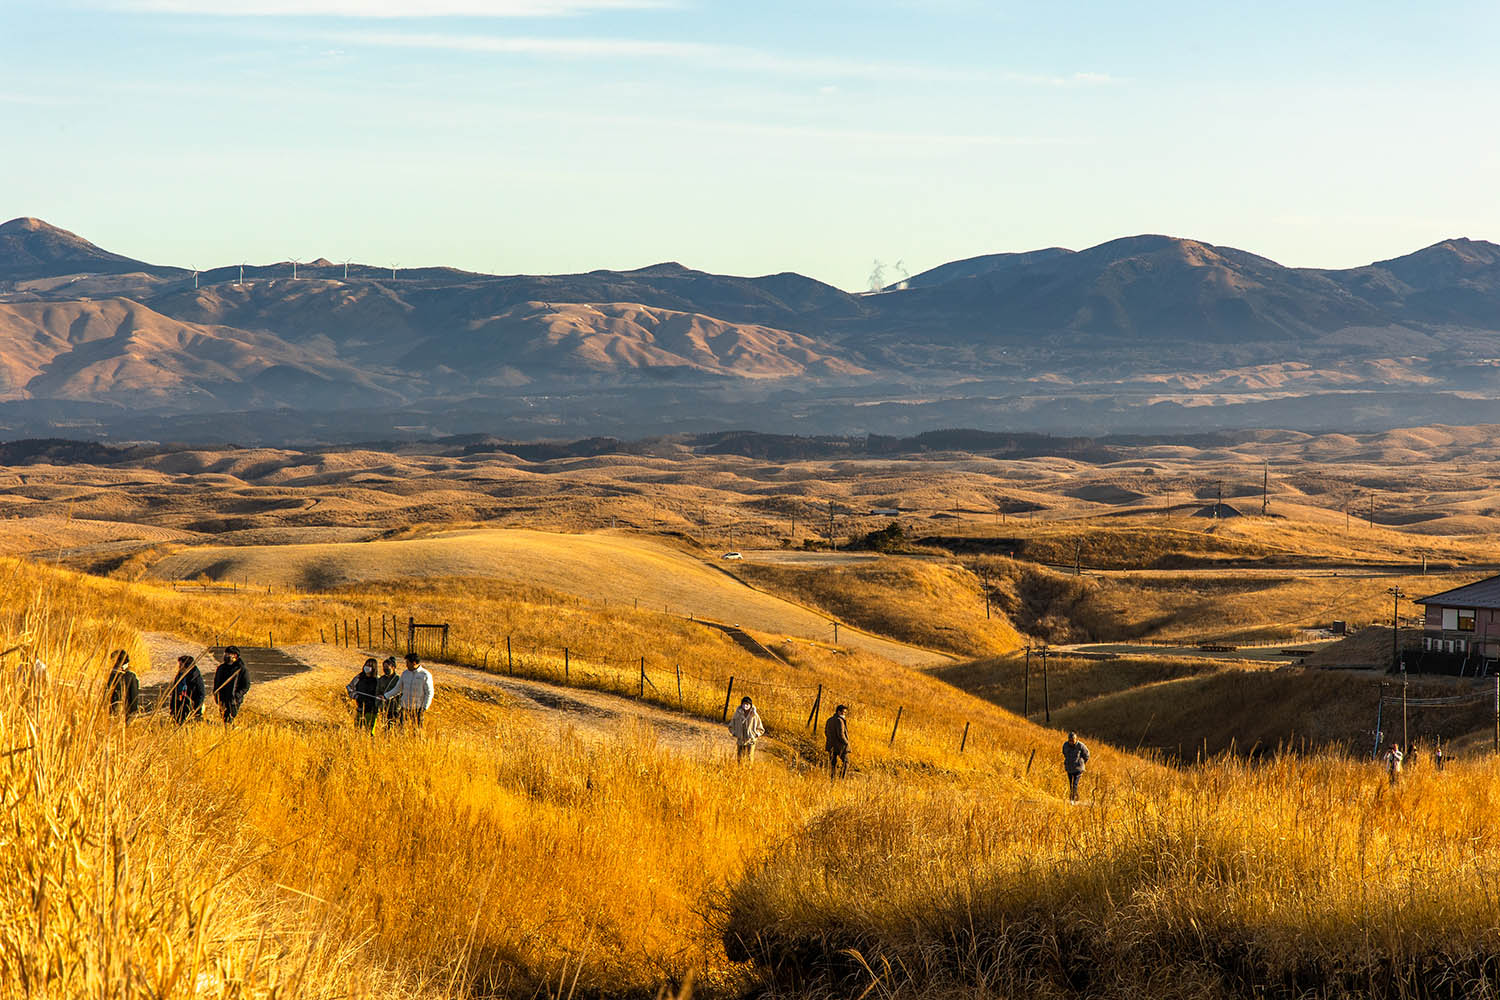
365 690
186 697
124 686
389 681
1075 758
231 681
836 741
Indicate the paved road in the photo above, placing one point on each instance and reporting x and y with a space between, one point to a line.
1263 653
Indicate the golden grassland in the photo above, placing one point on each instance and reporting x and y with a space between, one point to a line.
1297 877
1307 537
932 604
285 859
1185 708
1191 606
611 567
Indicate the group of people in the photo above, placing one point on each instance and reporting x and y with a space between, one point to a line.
402 698
378 689
187 693
747 729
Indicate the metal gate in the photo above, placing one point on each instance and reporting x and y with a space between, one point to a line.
427 640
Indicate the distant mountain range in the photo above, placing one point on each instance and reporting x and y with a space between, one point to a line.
86 331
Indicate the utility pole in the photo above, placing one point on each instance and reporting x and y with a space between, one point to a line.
1405 739
1396 595
1219 499
831 543
1346 517
1372 508
1046 692
1077 556
1026 687
1265 489
986 595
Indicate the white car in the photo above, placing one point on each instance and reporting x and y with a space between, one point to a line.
732 555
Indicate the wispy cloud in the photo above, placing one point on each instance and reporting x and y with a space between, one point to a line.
382 8
708 55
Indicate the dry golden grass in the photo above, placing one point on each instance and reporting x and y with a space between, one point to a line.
494 858
933 604
292 858
1190 606
619 569
1298 877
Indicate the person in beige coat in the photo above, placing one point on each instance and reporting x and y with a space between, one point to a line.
747 729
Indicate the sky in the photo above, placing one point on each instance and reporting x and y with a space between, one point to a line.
543 136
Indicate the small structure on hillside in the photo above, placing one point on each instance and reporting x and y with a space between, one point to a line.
1462 627
1218 511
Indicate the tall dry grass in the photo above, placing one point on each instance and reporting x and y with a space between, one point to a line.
1302 877
120 875
281 859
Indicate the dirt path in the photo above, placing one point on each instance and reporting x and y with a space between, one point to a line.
308 687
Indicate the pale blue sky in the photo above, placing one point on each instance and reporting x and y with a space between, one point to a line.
561 135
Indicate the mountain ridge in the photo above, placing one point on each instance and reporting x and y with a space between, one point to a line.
1131 310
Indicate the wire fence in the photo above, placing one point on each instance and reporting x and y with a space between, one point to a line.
789 707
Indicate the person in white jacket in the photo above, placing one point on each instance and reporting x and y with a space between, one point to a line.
747 729
414 691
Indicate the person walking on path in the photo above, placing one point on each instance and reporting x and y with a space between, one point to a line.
1075 759
364 689
1393 759
389 681
186 699
747 729
231 681
836 741
124 686
414 690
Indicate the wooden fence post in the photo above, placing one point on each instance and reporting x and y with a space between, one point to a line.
643 677
728 693
370 631
411 634
965 741
899 710
510 663
566 665
270 639
444 654
679 686
356 633
812 717
321 637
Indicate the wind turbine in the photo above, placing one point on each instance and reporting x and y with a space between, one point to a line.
195 277
295 262
393 271
242 276
346 268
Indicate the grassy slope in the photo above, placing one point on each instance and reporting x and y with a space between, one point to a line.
509 855
936 605
620 569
